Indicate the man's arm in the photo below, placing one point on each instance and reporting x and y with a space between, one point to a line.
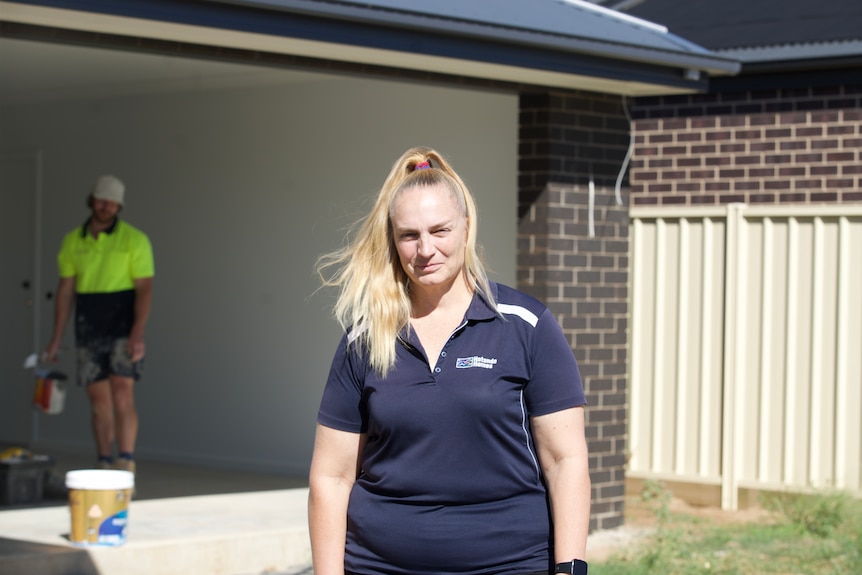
143 302
62 309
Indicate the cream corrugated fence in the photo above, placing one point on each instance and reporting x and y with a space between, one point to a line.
746 347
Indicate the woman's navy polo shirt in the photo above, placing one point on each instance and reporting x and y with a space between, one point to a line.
449 480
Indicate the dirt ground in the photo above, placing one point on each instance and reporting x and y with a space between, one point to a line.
640 521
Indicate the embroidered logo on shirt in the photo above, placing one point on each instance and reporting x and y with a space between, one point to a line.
475 361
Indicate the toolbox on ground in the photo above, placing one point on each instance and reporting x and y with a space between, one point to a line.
22 478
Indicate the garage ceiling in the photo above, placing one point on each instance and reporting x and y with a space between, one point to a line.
32 71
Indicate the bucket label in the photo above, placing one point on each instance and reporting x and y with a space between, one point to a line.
99 517
112 531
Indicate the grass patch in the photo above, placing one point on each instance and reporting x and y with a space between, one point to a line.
802 535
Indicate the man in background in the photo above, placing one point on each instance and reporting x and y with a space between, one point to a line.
106 272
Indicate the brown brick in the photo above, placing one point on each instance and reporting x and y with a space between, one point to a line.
839 130
721 186
673 175
792 198
645 176
646 125
761 198
808 184
674 150
746 160
809 158
823 144
702 174
761 172
742 185
717 136
762 120
825 117
658 188
761 146
748 134
778 133
809 132
793 118
704 122
672 200
646 200
719 161
823 170
824 197
786 171
732 121
660 138
704 199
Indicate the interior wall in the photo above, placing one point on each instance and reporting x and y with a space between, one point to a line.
240 191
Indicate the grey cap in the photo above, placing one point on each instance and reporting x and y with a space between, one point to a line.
109 188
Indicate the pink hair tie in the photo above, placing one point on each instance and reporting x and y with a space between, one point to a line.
422 166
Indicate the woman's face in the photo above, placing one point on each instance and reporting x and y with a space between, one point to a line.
430 234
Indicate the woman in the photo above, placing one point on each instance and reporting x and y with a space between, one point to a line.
450 435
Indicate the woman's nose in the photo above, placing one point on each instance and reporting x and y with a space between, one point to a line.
426 245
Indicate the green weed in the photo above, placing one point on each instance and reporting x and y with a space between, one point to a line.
804 535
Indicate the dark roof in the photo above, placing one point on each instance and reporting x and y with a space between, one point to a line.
566 36
724 25
561 43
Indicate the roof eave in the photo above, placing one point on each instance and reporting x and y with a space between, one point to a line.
687 59
610 68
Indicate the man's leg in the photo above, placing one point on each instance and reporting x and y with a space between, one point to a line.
102 406
125 413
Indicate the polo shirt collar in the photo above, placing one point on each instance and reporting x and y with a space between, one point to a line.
86 227
478 310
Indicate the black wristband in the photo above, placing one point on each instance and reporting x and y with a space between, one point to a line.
573 567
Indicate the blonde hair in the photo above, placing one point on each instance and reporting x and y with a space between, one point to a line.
374 301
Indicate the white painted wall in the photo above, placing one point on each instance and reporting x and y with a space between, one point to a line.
240 192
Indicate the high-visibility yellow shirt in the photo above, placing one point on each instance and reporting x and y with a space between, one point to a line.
106 264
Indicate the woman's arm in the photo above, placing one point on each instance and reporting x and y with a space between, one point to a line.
334 467
562 449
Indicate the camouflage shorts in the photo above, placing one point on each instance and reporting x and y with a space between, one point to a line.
105 357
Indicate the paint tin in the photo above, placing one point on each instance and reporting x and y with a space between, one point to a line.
99 505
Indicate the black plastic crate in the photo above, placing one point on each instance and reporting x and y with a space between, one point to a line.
22 480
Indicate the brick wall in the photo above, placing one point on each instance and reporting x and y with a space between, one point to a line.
757 147
564 136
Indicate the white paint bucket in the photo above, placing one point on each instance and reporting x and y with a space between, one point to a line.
99 505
